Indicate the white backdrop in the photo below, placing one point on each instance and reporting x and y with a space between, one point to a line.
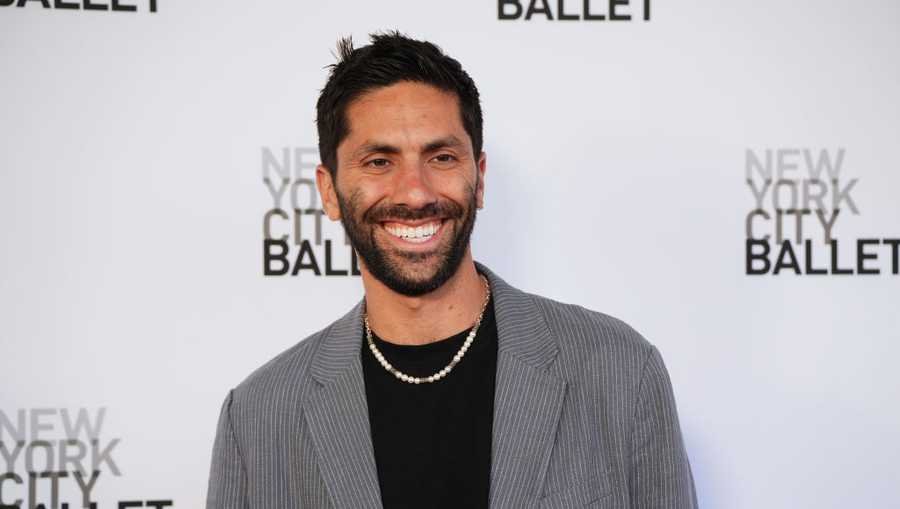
132 203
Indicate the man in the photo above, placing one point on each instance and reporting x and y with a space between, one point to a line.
445 386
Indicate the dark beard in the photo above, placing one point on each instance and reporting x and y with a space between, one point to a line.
362 237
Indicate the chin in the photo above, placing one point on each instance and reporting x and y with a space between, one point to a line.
417 275
412 279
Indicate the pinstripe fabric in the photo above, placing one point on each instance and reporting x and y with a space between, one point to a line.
584 416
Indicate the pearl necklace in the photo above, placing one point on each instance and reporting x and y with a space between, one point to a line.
443 372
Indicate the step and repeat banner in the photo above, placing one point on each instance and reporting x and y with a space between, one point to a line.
722 176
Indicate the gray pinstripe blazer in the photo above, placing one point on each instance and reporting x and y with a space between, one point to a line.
584 416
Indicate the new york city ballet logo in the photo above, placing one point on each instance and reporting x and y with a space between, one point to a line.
56 459
296 240
85 5
573 10
802 198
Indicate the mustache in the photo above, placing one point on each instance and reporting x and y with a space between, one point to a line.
443 209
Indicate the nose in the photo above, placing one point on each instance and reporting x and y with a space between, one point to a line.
412 186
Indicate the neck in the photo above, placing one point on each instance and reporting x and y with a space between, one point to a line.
405 320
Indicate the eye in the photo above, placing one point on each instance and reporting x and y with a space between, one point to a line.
444 158
378 163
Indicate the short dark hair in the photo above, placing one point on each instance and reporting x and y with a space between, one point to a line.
391 57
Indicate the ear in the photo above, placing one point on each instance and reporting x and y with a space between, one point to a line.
327 192
479 190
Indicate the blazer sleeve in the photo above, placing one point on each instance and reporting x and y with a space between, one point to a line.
227 477
660 476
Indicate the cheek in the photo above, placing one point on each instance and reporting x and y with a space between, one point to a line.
359 199
457 186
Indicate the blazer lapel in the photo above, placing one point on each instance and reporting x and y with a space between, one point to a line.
338 418
527 400
527 405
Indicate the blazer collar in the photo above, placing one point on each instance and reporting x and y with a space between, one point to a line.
526 392
521 329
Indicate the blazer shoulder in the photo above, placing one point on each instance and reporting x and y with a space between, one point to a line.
287 371
575 326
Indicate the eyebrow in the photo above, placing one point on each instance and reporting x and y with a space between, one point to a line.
375 147
372 147
448 142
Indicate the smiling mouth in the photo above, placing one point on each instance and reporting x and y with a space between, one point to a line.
416 234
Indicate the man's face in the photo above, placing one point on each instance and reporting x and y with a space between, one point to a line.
408 185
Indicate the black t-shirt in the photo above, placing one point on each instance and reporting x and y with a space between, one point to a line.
432 441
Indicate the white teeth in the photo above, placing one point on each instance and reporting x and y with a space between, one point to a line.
414 234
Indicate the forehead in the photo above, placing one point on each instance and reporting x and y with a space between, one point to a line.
405 113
